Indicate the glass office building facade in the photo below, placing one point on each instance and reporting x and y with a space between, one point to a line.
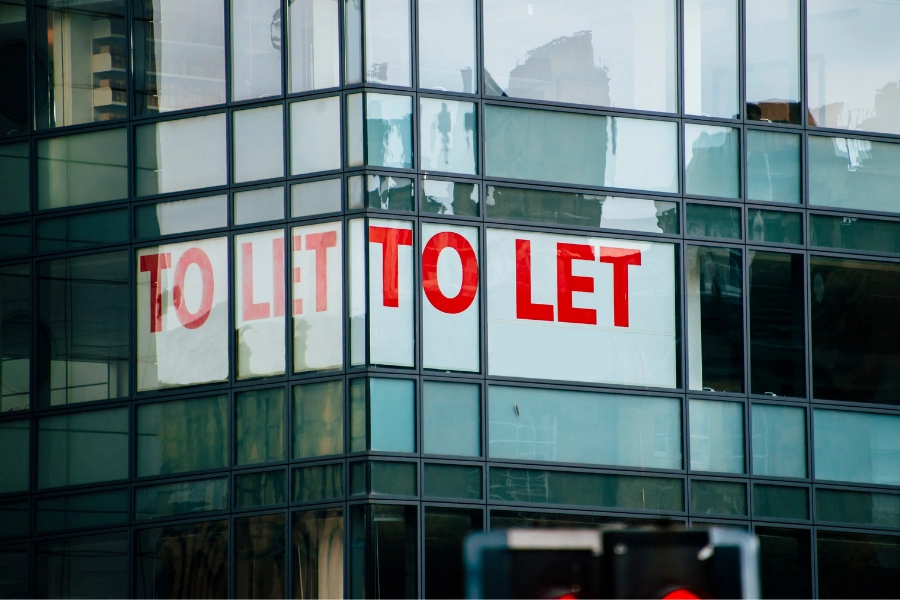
295 294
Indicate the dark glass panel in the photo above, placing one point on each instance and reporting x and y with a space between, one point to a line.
774 226
705 220
15 338
13 67
319 419
855 314
852 233
357 478
84 338
317 548
86 567
82 231
15 239
82 168
854 565
14 179
453 481
393 478
321 482
182 561
588 489
182 498
260 489
93 509
857 508
259 427
446 530
14 521
780 502
508 519
15 449
259 555
450 198
715 319
785 563
718 498
14 571
383 557
777 334
85 447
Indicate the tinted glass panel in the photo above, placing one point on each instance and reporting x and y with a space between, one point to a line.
855 310
82 448
313 44
446 37
711 58
873 559
316 197
604 53
318 419
774 227
389 131
15 520
451 418
393 478
15 442
448 136
260 489
446 530
781 502
315 135
453 481
14 180
852 233
856 447
381 191
258 136
95 509
580 149
15 337
383 559
854 174
179 54
81 169
392 415
857 508
181 216
182 561
185 497
257 206
15 239
16 572
82 231
317 553
717 436
773 60
86 567
705 220
14 93
718 498
773 163
449 198
779 440
260 426
255 49
777 337
322 482
182 435
387 39
711 156
259 557
785 567
507 519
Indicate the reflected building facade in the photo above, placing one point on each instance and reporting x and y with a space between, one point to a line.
296 294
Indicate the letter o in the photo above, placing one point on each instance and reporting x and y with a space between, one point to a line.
469 287
193 256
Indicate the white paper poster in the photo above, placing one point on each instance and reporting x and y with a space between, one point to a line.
391 310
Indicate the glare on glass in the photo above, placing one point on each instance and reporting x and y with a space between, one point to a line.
711 58
258 143
448 138
313 56
711 156
387 39
316 135
773 60
598 52
447 45
389 131
853 173
255 48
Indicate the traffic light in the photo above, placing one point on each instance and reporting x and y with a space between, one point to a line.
588 563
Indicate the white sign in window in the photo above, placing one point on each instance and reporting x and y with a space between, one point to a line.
391 311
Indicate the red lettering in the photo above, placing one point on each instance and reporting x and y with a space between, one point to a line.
524 307
321 242
566 283
278 277
430 255
390 238
621 259
154 264
297 245
193 256
251 311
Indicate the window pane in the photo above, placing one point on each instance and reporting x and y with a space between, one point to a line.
15 448
260 426
773 60
853 174
450 198
266 488
182 435
86 54
777 338
182 498
14 93
255 49
582 427
781 502
179 54
315 198
180 216
82 448
387 42
85 323
717 436
186 284
182 561
258 143
15 337
625 52
857 508
318 419
321 482
354 126
82 231
711 157
259 557
180 155
502 520
15 521
392 415
390 299
389 130
317 553
451 418
358 433
779 440
313 44
447 46
856 447
85 567
381 192
356 259
711 58
773 165
317 296
718 498
257 206
859 362
14 179
587 489
453 481
852 233
843 34
393 478
774 226
259 303
315 135
82 168
383 561
15 239
15 576
715 319
705 220
580 149
873 557
448 136
785 566
446 530
95 509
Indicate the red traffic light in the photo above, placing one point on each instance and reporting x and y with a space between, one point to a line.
681 594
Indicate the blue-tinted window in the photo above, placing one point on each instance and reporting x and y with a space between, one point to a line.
856 447
779 440
451 418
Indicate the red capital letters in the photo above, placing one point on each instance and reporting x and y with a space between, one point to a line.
251 311
430 255
321 242
155 263
193 256
278 277
390 238
566 283
297 245
620 258
524 307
